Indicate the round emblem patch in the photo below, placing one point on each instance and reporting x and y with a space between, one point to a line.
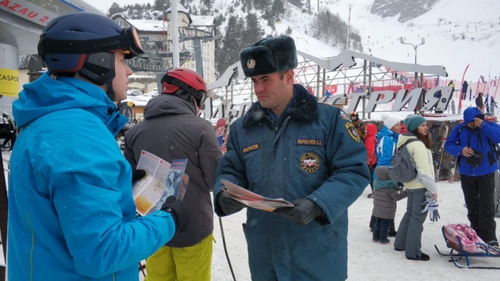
309 162
251 63
352 131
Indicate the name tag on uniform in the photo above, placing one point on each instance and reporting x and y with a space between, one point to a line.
251 148
309 142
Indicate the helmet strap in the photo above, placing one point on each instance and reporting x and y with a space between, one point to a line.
110 92
181 93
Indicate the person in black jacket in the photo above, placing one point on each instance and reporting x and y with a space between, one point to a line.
479 102
172 129
473 142
465 85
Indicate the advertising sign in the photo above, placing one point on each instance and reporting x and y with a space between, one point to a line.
9 82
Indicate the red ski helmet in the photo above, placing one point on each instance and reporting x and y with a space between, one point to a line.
186 84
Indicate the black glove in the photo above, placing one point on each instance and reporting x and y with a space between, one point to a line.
303 213
179 211
137 175
228 204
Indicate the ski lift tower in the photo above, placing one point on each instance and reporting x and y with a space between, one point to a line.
158 54
198 34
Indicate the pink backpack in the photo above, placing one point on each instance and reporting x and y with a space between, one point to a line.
468 238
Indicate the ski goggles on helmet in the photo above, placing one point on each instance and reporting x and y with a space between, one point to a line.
200 96
128 41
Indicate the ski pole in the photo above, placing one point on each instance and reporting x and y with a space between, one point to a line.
225 248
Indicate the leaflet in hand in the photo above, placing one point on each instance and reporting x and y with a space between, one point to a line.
161 181
252 199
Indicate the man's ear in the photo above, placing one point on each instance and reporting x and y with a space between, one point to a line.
289 74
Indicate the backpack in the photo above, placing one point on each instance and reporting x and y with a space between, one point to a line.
460 237
402 169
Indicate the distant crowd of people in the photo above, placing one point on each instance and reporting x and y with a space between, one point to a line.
475 144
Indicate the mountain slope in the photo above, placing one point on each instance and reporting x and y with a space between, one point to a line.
456 32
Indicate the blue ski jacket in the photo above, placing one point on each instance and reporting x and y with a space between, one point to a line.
71 212
386 145
481 139
314 153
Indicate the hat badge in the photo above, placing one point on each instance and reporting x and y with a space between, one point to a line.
251 63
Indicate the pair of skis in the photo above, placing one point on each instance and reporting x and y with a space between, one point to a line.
452 172
441 151
441 156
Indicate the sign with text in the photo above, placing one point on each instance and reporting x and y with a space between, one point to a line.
404 100
29 11
9 82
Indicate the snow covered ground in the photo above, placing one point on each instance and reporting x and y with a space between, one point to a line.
367 260
373 261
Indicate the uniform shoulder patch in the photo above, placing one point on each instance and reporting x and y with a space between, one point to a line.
352 131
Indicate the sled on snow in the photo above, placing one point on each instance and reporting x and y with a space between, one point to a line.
465 244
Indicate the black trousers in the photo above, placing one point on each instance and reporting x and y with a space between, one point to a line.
392 228
479 197
371 168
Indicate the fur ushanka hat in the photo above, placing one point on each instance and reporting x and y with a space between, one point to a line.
269 55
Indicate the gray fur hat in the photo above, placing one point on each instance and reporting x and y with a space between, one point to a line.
382 173
269 55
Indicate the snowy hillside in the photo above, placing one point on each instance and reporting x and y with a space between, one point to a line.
456 32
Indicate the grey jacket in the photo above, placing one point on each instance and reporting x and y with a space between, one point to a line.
384 200
171 130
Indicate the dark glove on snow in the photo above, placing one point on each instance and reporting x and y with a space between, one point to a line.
303 213
137 175
179 211
228 205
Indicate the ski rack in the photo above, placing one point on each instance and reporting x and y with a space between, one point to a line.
486 251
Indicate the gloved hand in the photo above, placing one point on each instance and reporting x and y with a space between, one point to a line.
228 205
179 211
137 174
303 213
431 205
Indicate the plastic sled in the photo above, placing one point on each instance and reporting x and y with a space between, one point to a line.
464 243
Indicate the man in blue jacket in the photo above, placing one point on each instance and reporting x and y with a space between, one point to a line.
474 142
71 211
289 146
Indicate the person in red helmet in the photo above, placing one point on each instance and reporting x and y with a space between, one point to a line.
172 129
71 209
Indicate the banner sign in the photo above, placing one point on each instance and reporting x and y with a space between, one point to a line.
9 82
403 100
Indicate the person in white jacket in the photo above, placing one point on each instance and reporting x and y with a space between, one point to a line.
410 230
